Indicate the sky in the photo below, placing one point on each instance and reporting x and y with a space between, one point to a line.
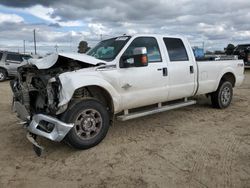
62 24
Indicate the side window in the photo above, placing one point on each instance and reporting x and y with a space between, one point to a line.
26 57
176 49
14 57
1 55
150 43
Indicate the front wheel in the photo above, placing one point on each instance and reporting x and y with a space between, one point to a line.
91 123
222 97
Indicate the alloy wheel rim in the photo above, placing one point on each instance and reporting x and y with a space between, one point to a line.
88 124
1 76
225 95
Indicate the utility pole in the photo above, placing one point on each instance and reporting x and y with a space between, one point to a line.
203 45
71 42
24 46
101 37
34 32
56 47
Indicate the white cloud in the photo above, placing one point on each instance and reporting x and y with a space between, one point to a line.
99 29
216 23
46 13
70 23
42 12
11 18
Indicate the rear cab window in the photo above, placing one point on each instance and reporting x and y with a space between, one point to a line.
14 58
176 49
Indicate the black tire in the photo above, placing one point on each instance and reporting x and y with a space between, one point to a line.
91 115
3 75
222 97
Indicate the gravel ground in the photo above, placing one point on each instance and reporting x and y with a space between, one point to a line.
196 146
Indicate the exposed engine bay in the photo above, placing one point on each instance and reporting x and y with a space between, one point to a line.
38 89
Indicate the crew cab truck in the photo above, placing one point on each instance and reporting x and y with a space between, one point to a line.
75 97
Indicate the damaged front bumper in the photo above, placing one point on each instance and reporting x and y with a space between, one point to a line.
57 129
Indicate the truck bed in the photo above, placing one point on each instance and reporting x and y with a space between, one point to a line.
209 73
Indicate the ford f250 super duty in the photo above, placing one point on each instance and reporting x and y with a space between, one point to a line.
75 97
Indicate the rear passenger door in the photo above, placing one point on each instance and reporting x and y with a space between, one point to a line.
182 69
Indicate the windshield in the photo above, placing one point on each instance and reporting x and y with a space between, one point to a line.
108 49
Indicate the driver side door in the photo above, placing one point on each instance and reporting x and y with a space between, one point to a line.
141 86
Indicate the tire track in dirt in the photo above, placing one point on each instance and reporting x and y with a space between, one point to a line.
200 157
201 120
231 147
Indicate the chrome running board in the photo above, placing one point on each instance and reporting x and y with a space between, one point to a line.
160 108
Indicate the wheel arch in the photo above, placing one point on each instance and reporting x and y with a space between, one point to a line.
71 83
4 70
95 91
230 77
227 76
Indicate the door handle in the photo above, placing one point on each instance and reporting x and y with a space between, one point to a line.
191 69
165 71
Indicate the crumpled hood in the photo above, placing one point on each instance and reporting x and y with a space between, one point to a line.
49 60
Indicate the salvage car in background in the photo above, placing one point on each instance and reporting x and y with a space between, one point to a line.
9 62
243 52
75 97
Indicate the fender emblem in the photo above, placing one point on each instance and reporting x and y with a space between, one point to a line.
126 86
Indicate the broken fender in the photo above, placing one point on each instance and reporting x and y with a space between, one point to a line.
51 59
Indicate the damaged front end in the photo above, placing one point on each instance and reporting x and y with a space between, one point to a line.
36 98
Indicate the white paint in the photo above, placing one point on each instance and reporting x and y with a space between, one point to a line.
45 62
49 60
148 85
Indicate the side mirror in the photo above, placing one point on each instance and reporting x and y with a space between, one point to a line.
138 59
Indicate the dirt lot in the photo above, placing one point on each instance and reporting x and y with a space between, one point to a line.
196 146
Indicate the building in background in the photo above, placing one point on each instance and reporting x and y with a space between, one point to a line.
198 52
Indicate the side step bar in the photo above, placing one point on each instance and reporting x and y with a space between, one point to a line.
159 109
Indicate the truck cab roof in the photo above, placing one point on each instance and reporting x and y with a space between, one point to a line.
156 35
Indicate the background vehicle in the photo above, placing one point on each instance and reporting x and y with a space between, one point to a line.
9 62
76 96
243 52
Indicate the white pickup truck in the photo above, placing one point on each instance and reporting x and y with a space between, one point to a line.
75 97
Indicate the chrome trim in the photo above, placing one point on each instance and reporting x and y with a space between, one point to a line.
128 116
59 131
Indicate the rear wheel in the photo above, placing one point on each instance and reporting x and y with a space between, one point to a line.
222 97
3 75
91 123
